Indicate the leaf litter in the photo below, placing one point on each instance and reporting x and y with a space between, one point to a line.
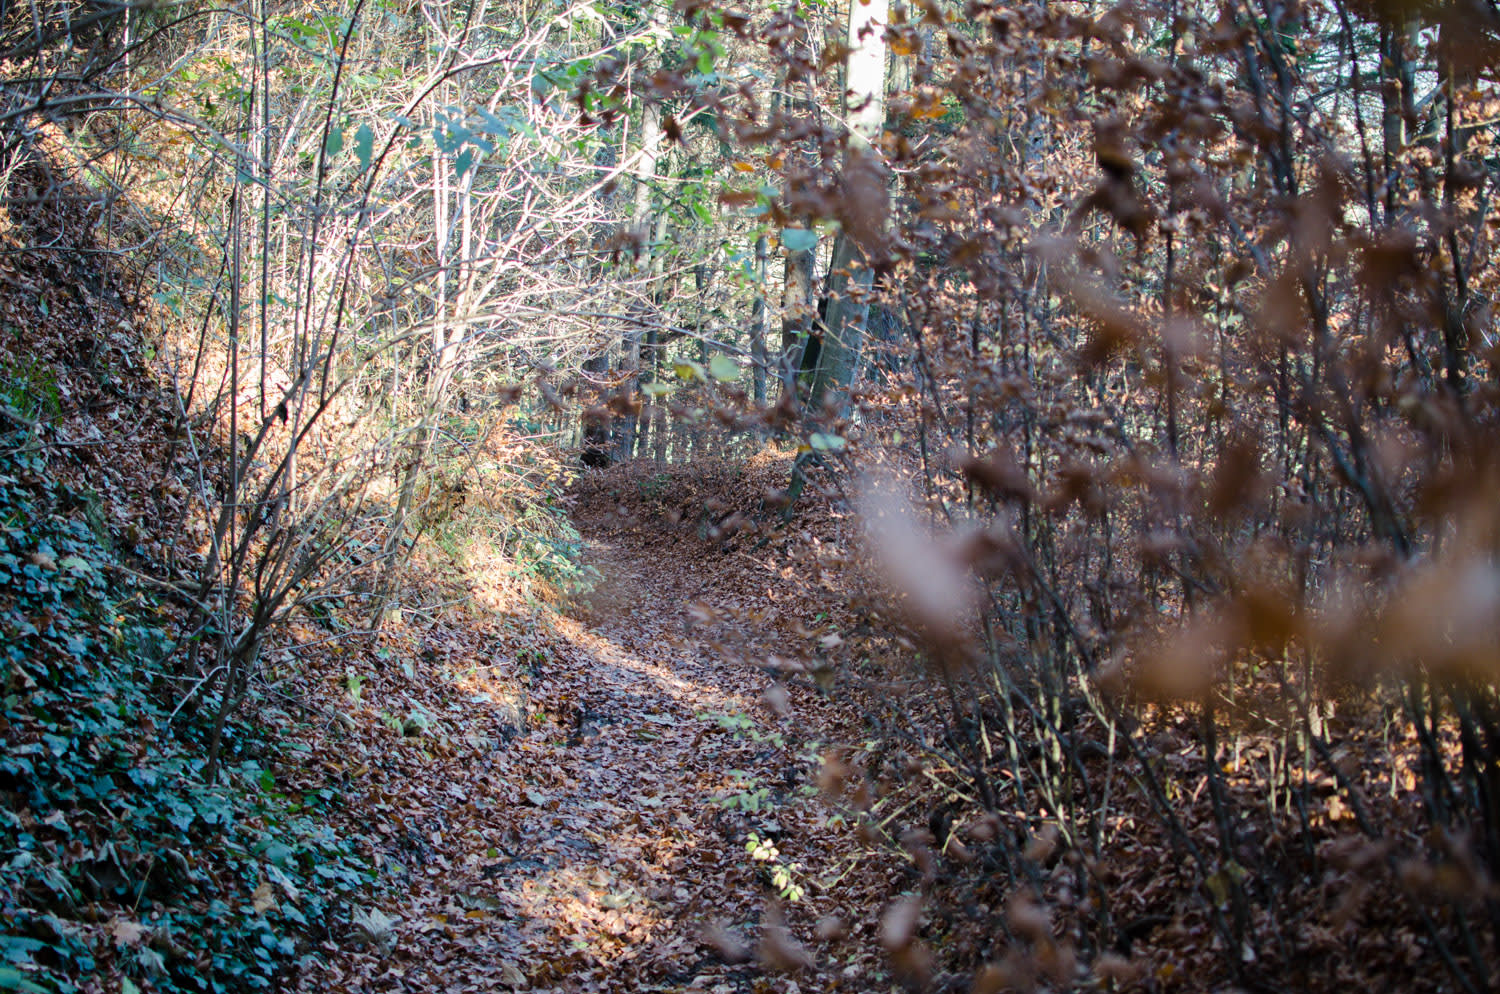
604 846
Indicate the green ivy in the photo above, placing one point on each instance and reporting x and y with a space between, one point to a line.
104 814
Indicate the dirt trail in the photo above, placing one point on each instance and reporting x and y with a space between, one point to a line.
613 837
639 852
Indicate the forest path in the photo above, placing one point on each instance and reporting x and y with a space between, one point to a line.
604 848
635 851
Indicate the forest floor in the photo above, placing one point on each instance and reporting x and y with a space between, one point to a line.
613 793
660 786
611 845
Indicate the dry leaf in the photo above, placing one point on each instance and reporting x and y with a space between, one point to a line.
264 898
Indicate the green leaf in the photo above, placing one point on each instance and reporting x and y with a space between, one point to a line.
364 146
277 853
687 369
724 368
463 162
493 123
799 239
18 949
15 980
826 442
335 143
75 564
656 389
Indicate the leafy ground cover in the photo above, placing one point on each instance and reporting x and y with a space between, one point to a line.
596 796
653 824
963 866
118 859
710 759
1164 659
720 769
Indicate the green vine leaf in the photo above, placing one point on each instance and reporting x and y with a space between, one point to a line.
364 146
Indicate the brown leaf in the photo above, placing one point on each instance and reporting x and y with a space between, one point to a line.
1028 918
264 898
830 928
898 926
998 474
730 947
779 950
778 700
127 932
511 975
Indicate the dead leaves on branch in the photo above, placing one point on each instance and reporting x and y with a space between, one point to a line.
932 589
1430 618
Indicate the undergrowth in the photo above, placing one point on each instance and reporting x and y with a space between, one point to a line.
498 513
115 855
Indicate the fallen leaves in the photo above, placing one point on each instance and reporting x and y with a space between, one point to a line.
375 927
590 851
127 932
779 950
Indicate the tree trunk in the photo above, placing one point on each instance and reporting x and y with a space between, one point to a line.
640 227
758 324
796 316
862 212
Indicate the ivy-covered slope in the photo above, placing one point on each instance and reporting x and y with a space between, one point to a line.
121 868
